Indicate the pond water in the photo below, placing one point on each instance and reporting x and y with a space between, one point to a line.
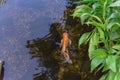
22 20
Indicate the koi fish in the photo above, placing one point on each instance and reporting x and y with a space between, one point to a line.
65 42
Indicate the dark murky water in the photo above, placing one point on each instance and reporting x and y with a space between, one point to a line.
22 20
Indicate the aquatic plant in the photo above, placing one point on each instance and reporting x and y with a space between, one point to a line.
104 40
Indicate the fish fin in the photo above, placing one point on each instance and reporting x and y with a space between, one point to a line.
70 42
67 60
61 43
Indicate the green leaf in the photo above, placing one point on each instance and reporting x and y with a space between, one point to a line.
115 4
83 9
83 38
94 23
84 17
91 48
96 39
118 52
95 6
101 32
111 75
111 24
103 77
77 2
114 16
97 9
117 77
112 51
76 14
96 18
117 47
115 28
96 62
85 2
115 34
105 67
111 62
118 64
99 53
104 9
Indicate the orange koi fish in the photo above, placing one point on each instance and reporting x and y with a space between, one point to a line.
65 42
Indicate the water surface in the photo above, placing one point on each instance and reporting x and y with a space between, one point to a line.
22 20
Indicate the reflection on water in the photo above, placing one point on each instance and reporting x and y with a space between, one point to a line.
22 20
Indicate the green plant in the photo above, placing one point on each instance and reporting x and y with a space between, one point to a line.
104 16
